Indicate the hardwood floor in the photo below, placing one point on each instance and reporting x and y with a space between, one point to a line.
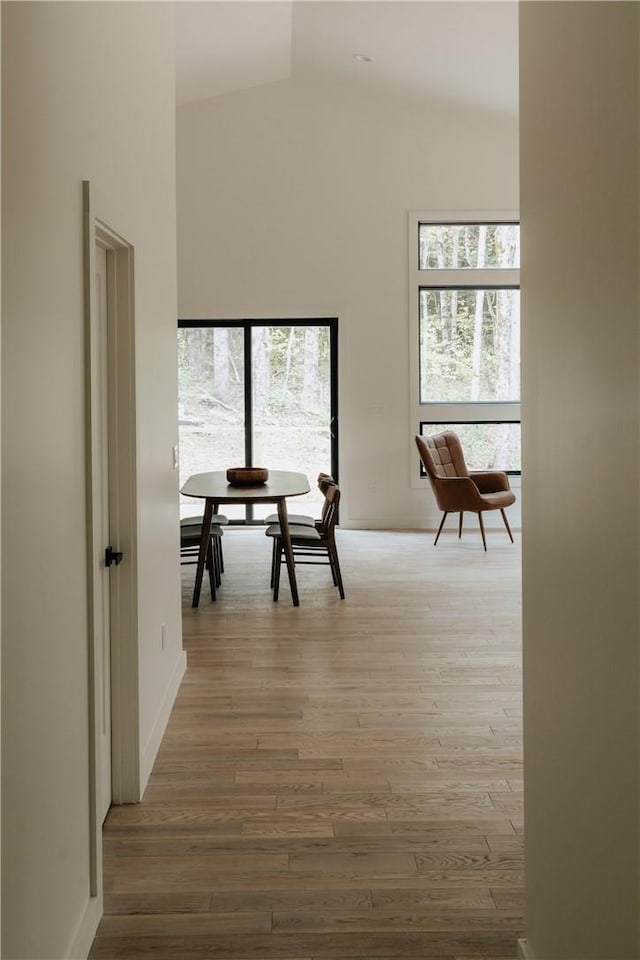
340 780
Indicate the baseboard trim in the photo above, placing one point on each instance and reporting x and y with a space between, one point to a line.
524 951
157 733
85 934
371 523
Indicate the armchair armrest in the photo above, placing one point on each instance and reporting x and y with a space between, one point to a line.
490 481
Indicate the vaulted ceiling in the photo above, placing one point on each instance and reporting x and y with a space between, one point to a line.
458 51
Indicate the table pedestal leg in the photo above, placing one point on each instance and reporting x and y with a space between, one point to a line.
288 550
202 553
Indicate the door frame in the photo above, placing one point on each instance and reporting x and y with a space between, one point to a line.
123 510
247 325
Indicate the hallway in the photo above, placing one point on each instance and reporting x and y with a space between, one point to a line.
341 780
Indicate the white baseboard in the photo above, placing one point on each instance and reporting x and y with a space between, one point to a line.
85 934
157 733
374 523
524 951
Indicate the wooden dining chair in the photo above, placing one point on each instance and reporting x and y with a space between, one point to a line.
317 544
190 537
325 481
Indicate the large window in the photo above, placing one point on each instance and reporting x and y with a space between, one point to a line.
253 393
465 315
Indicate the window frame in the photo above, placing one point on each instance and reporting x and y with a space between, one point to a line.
478 411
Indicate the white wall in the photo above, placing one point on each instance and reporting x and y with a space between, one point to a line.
88 93
579 121
293 201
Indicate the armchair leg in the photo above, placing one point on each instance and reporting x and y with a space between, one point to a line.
460 525
506 523
444 517
484 539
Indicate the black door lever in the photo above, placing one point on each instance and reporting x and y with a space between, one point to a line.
112 556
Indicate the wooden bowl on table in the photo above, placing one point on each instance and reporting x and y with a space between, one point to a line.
247 476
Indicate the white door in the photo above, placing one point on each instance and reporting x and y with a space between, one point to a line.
113 682
102 572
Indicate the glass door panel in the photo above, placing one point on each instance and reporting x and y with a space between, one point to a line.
291 405
211 419
259 394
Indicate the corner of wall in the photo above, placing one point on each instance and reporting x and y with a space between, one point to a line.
150 749
84 936
525 951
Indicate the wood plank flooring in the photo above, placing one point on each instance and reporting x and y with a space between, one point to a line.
339 780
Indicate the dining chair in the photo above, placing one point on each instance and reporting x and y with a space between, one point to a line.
325 481
217 520
458 489
316 543
190 536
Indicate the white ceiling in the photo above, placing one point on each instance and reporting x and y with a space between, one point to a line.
462 51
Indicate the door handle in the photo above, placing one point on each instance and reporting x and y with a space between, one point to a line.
112 556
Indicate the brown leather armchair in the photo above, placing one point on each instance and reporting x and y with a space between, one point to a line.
456 489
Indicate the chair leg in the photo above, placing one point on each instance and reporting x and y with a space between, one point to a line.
332 564
219 559
274 558
484 539
217 550
460 525
444 517
335 569
277 542
506 523
330 561
211 567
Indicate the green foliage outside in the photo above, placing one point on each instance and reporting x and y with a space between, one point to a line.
290 374
469 345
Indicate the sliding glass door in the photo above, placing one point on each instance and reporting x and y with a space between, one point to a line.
258 394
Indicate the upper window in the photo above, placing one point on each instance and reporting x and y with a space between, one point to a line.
469 246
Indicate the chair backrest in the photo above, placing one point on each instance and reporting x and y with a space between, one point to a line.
442 456
330 510
325 480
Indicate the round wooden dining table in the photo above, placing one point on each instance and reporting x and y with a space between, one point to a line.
215 489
